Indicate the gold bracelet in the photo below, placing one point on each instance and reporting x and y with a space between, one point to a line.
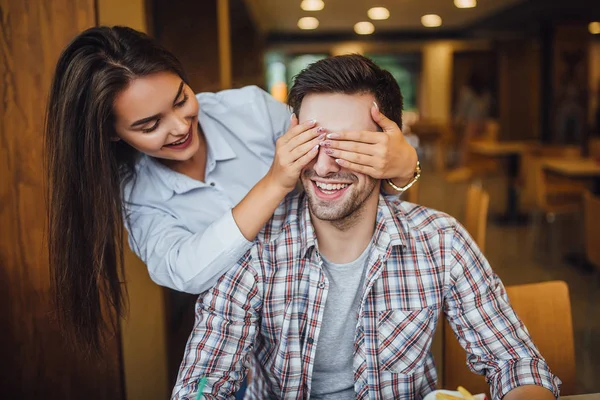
409 184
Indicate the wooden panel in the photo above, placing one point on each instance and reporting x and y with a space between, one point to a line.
247 47
37 362
190 32
519 82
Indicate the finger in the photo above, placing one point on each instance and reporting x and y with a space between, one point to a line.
306 136
384 122
356 158
354 147
306 158
304 148
359 168
356 136
294 131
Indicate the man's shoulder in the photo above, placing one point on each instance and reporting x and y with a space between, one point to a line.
283 225
420 218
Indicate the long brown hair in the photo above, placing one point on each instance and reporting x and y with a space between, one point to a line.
86 169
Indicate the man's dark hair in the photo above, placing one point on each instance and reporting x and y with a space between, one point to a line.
349 74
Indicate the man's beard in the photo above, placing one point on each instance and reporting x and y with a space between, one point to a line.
342 213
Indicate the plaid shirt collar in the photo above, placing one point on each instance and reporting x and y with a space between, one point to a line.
390 230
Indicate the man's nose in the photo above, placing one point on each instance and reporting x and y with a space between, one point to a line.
325 164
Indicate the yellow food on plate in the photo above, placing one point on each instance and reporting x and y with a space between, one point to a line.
444 396
465 393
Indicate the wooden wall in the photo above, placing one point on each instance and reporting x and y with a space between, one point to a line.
36 361
519 89
247 47
190 31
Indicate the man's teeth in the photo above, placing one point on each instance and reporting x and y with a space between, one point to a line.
329 186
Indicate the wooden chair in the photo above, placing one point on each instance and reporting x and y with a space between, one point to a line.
530 166
476 213
545 309
552 197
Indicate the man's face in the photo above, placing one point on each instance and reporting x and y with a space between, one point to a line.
335 193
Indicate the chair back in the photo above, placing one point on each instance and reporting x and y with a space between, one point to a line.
545 309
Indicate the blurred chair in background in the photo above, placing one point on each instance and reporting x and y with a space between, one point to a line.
543 307
549 196
476 214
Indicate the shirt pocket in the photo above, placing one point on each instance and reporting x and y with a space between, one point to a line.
404 338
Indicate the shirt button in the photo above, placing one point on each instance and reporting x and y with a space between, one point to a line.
321 285
310 340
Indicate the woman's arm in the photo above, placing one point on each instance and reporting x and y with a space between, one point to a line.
193 261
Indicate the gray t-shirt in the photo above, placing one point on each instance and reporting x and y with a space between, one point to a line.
333 376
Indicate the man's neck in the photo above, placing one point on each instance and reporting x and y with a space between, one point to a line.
344 241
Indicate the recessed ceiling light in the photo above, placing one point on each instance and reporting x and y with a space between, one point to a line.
465 3
378 13
364 28
312 5
308 23
431 20
594 28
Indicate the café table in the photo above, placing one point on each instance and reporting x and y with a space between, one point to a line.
591 396
511 151
577 169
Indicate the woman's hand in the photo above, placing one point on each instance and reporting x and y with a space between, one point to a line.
381 155
293 151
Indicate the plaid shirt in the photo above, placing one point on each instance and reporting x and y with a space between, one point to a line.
422 263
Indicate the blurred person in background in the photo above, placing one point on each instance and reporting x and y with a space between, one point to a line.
193 177
472 113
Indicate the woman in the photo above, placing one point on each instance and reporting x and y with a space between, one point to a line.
194 178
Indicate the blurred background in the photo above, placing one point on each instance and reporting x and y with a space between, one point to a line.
502 98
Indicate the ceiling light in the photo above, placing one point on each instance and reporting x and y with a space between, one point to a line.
465 3
431 20
378 13
364 28
308 23
312 5
594 28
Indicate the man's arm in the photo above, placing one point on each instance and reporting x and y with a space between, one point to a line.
226 320
497 343
529 392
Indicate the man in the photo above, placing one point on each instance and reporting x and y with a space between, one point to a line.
342 292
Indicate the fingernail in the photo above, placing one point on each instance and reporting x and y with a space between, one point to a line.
333 136
340 162
312 122
320 129
329 151
376 106
292 116
315 148
326 144
321 137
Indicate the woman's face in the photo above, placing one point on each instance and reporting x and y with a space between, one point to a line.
158 115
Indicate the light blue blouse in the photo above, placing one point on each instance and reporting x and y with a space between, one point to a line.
183 229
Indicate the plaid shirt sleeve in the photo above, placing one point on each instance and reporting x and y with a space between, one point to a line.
226 321
497 343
